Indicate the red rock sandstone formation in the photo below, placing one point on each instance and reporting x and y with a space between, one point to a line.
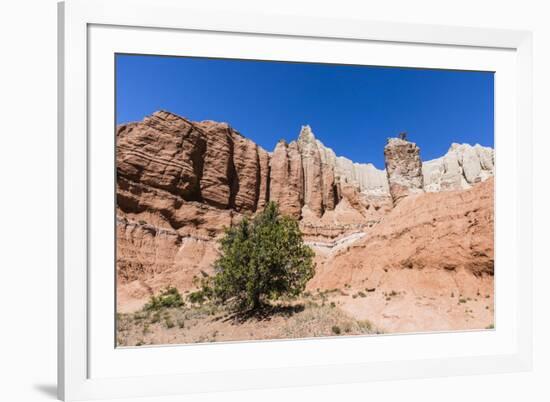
286 178
179 183
448 231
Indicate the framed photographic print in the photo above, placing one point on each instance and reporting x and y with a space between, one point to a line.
262 201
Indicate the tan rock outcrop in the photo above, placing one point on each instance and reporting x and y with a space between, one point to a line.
404 168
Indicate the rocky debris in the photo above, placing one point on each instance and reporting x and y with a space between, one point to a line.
462 166
404 168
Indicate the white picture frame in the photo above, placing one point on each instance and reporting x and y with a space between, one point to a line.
88 367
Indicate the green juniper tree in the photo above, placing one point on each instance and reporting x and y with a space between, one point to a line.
261 259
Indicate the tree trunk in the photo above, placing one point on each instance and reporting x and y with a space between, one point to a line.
256 301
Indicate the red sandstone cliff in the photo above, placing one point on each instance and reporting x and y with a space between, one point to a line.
179 183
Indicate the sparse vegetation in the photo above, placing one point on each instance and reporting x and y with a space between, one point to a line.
169 323
209 323
347 327
170 297
261 260
155 318
365 325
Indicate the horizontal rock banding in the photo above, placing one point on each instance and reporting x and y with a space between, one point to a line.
180 183
210 162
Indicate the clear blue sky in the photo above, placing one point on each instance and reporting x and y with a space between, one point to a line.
352 109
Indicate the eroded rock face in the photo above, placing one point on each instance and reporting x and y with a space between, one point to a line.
404 168
365 176
263 188
218 169
286 178
313 174
461 167
450 232
206 162
165 152
247 179
179 183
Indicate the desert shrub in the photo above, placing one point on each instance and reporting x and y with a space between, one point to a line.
365 326
261 260
155 318
347 327
336 330
169 323
170 297
198 296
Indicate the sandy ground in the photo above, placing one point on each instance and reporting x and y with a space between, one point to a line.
201 324
336 312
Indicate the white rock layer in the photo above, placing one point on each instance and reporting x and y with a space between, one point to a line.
462 166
